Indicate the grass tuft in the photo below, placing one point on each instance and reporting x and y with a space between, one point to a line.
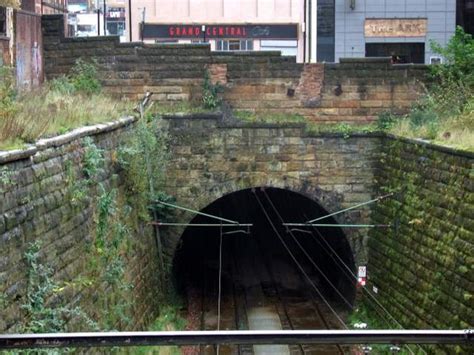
58 107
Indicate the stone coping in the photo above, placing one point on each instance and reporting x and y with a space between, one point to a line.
434 146
54 142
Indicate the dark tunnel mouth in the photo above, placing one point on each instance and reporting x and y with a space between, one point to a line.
199 246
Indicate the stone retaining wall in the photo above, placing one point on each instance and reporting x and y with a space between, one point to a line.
36 205
354 91
424 267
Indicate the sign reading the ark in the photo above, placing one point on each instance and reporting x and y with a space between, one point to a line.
395 27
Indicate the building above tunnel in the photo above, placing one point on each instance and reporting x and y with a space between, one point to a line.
322 30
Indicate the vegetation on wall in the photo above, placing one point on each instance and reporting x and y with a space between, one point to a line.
59 106
210 93
120 206
10 3
446 113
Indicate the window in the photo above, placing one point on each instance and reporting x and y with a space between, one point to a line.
326 31
234 45
399 52
287 47
116 28
3 21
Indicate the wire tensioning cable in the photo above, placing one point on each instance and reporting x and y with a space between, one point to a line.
297 263
380 198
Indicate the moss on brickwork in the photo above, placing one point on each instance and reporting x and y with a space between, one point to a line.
73 199
423 267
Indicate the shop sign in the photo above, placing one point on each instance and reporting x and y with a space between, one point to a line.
116 13
395 27
195 31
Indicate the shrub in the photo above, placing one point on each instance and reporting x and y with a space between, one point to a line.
420 117
386 120
83 77
7 92
459 59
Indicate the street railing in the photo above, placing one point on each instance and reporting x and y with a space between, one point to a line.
340 337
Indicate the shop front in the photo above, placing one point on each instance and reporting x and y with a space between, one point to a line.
227 37
400 39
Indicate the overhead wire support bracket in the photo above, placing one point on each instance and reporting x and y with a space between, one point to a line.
380 198
337 225
201 224
197 212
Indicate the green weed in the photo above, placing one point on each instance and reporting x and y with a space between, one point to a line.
210 93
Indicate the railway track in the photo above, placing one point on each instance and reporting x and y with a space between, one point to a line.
260 291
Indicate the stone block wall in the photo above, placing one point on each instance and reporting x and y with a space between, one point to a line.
211 159
36 204
424 266
353 91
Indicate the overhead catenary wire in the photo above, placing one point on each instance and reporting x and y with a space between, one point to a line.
344 299
297 262
354 276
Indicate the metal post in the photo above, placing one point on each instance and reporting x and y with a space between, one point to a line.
105 17
143 24
130 18
98 22
110 339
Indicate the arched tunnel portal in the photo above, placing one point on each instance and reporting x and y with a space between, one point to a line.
301 277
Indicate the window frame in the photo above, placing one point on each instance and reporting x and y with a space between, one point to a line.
3 21
225 45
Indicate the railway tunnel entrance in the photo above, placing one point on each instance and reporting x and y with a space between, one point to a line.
266 276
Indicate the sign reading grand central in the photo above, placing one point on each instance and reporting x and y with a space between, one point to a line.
177 31
395 27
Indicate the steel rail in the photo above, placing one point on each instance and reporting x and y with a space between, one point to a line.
347 337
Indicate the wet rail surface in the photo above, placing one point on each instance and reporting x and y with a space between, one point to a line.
261 290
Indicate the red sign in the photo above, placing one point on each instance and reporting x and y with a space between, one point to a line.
157 31
211 31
